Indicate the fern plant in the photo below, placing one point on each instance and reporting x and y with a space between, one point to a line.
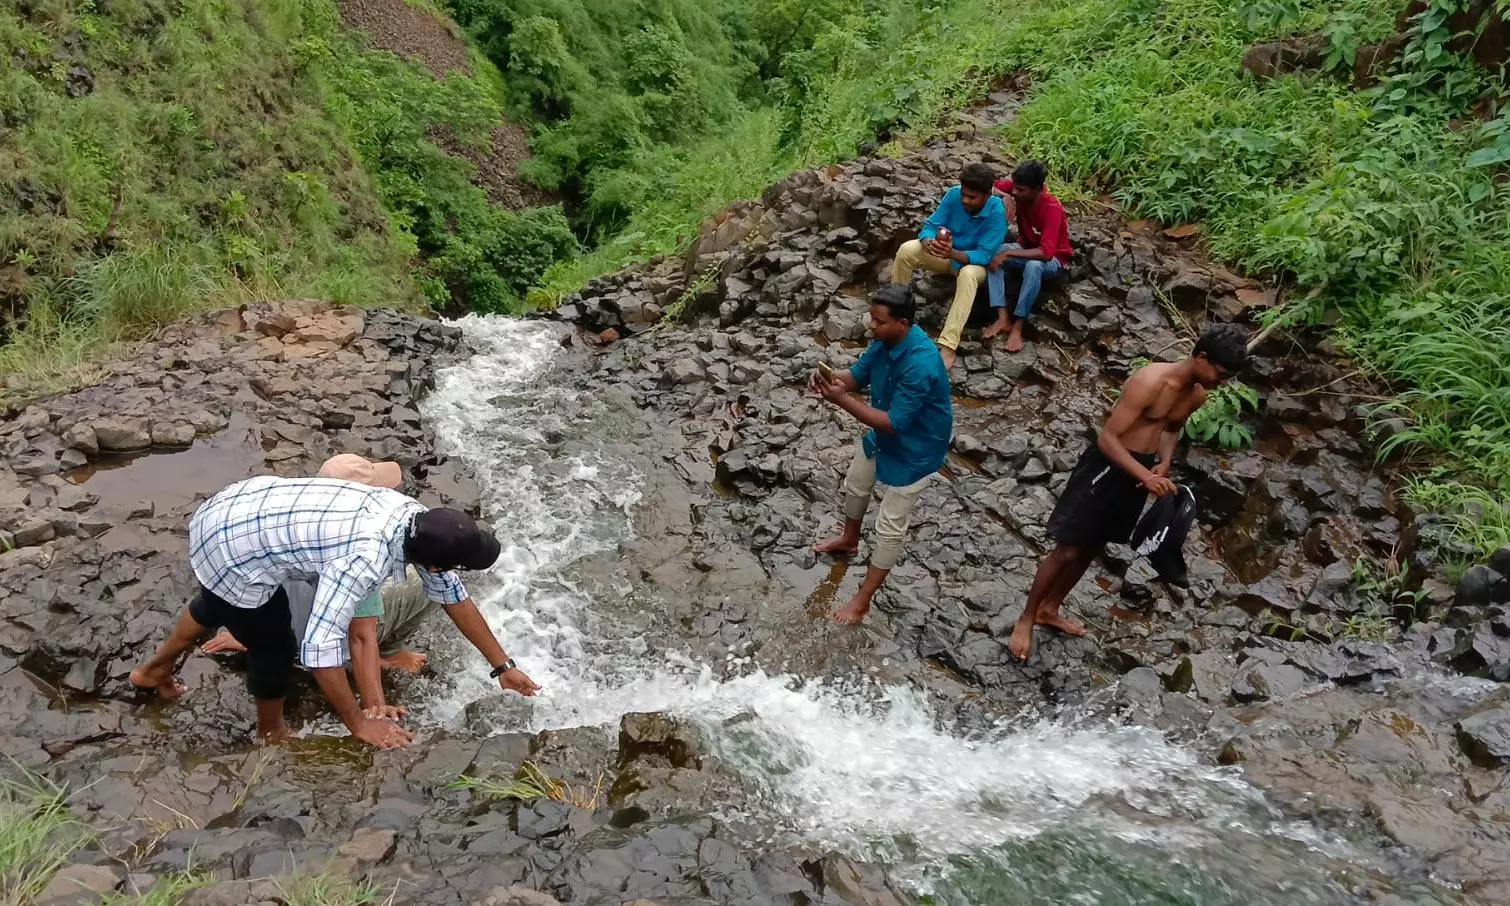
1220 420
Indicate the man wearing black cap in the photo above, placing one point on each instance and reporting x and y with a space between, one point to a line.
247 539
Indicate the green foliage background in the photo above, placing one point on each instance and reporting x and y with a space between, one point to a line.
258 151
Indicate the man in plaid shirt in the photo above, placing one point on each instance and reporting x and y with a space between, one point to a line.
245 540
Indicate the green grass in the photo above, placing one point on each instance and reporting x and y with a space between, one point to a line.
37 835
318 889
531 782
257 151
233 181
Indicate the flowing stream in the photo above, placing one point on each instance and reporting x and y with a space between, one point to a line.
1025 811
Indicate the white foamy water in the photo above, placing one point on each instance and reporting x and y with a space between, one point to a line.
841 761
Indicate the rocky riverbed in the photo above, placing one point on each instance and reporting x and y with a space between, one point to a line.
660 488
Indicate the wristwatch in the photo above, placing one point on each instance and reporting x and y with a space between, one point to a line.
503 668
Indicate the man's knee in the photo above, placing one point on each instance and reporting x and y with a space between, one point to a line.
267 672
1033 268
907 259
972 274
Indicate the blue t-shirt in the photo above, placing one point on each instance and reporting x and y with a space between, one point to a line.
909 383
979 236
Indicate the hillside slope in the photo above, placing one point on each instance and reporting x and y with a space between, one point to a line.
159 158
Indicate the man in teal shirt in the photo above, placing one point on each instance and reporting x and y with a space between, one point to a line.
911 421
961 238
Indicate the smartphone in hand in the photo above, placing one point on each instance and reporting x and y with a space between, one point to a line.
826 370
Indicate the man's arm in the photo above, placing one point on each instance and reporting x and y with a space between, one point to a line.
366 667
1140 392
446 589
475 627
340 586
1168 441
936 221
1033 254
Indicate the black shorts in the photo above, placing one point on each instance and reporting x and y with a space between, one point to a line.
266 631
1101 503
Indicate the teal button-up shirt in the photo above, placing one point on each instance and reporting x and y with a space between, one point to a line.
909 383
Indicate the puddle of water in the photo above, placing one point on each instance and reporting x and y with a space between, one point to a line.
176 479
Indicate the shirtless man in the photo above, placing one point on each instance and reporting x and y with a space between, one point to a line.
1130 460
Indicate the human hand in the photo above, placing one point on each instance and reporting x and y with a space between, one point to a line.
998 261
1162 470
831 390
384 712
940 249
517 681
383 734
1158 485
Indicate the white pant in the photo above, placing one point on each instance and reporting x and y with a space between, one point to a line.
896 506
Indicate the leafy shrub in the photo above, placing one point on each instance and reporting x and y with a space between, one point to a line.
1220 419
478 256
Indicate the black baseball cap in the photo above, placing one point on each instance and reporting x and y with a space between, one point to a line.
443 538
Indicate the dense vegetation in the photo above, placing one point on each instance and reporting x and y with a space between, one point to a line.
256 150
158 157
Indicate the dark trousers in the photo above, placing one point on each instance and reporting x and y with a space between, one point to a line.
266 632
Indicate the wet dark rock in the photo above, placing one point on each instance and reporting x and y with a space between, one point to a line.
1257 681
1481 586
1478 651
1485 737
1499 561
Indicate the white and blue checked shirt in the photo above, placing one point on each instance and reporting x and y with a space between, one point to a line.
247 539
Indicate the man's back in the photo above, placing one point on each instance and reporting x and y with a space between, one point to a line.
249 536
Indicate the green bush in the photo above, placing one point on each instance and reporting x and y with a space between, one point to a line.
232 181
478 256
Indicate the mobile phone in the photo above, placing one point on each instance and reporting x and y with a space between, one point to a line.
825 370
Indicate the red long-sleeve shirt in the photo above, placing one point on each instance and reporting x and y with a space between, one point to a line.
1042 224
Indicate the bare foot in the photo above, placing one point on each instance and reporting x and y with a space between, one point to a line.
1014 342
839 545
406 660
853 613
161 680
1052 619
1001 324
222 643
275 735
949 356
1021 643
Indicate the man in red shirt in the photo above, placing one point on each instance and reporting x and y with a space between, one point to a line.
1042 249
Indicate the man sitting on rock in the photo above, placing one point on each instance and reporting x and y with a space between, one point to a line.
911 420
1130 460
248 539
381 620
969 227
1042 249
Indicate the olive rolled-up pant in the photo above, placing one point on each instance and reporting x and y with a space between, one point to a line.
967 280
896 506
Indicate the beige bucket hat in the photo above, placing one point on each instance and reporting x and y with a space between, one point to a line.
351 467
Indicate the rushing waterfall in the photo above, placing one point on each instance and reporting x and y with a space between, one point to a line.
1100 814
